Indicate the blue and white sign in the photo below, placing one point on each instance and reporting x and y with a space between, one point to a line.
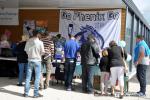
104 25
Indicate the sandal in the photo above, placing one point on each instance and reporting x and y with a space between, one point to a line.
112 94
121 96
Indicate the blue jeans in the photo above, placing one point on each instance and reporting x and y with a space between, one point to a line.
69 71
141 76
87 77
37 68
22 68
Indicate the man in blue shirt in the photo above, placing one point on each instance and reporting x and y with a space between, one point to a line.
70 49
141 60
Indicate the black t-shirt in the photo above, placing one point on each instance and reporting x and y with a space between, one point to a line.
115 55
104 64
22 56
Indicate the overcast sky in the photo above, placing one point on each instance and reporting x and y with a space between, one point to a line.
144 7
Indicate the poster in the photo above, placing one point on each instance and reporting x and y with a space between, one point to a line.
104 25
42 26
29 25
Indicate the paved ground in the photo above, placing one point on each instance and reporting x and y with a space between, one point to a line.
9 90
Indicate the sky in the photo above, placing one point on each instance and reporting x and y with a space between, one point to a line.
144 7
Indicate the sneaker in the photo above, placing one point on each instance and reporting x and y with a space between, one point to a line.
69 89
45 86
37 96
40 88
112 94
25 95
140 94
20 85
121 97
96 93
90 92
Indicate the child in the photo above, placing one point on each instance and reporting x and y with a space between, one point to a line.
105 70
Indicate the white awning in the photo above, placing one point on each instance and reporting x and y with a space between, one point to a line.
60 4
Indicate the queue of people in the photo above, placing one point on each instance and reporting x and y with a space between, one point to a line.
38 51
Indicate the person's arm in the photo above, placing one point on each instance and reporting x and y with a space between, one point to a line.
42 48
101 62
51 48
78 47
141 55
17 49
8 45
95 50
81 50
26 47
125 54
64 51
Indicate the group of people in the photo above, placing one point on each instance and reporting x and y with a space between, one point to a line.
111 65
39 50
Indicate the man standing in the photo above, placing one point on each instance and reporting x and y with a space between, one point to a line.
141 60
49 52
89 57
34 49
70 49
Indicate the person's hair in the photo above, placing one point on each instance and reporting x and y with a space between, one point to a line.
58 35
139 36
25 37
4 37
104 52
28 28
35 32
90 37
70 35
112 43
46 33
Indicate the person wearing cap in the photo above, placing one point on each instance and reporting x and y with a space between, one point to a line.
141 61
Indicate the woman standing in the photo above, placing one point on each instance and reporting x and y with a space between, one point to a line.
115 54
22 59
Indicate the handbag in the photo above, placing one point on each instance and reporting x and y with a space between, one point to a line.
125 63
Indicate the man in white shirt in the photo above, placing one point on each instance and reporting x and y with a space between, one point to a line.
34 49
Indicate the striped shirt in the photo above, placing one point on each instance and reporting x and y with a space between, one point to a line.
48 45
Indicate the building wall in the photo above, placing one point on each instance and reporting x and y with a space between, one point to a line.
51 15
53 21
123 23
